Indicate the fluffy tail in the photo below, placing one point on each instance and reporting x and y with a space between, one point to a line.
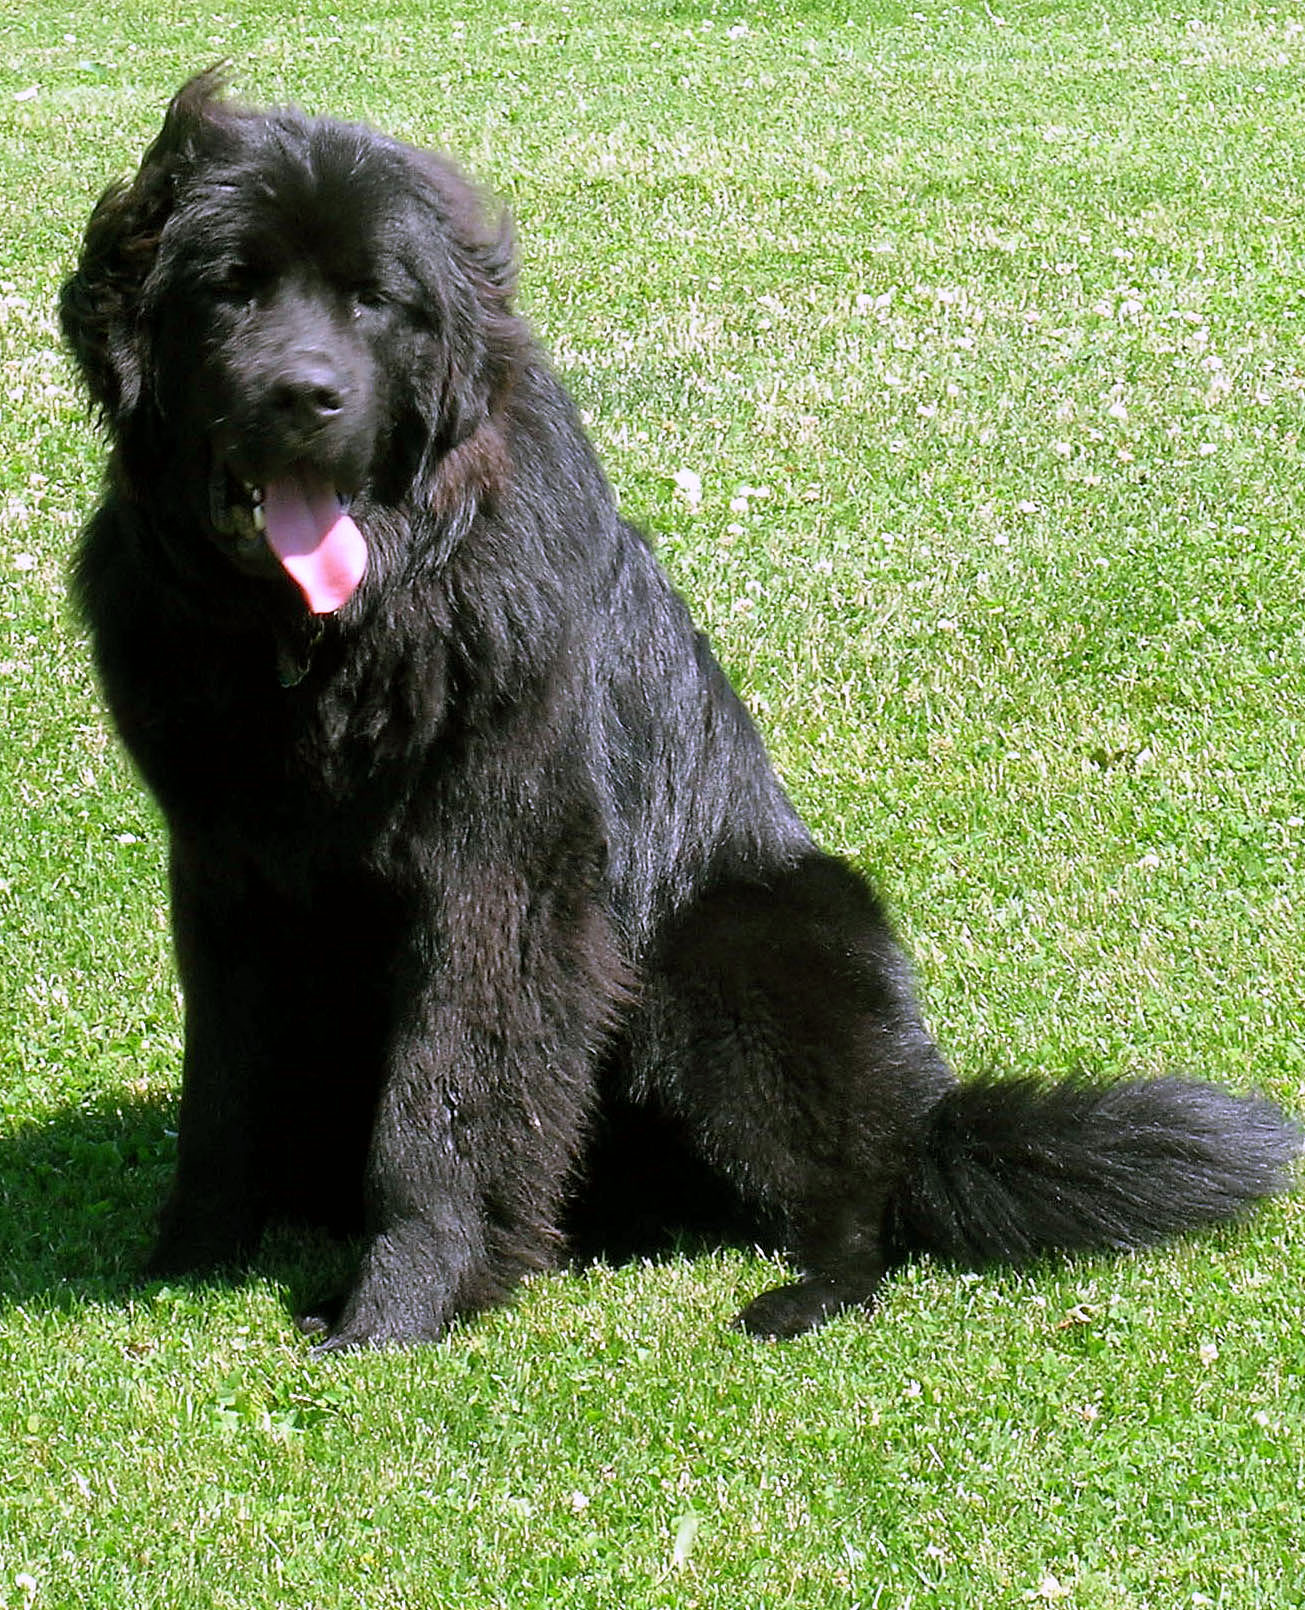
1013 1169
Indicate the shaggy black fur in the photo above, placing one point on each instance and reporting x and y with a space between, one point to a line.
491 915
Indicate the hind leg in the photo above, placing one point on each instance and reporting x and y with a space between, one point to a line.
780 1026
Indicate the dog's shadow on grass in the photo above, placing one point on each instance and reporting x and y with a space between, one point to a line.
81 1192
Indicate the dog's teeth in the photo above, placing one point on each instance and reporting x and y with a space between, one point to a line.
259 518
256 495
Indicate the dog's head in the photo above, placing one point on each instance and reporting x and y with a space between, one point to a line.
280 314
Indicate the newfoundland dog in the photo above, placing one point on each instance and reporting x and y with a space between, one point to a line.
495 928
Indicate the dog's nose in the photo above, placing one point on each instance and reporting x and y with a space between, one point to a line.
309 393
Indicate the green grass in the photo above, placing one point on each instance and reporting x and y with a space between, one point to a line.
998 312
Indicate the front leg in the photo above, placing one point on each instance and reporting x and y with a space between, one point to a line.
431 1252
501 1012
218 1202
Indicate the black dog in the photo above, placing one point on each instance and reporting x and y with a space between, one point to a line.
490 913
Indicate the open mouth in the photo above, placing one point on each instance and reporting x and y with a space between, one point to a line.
237 511
300 520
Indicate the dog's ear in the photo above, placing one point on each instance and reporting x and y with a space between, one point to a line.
99 305
489 260
486 341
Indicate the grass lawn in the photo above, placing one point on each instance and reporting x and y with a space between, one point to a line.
981 326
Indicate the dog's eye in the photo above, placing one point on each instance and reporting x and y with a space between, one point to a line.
239 284
368 299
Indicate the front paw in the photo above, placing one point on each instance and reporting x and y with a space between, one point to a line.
404 1294
177 1253
201 1230
364 1326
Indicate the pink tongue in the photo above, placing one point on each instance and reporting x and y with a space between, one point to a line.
315 540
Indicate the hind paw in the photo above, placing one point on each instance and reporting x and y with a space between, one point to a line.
802 1306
